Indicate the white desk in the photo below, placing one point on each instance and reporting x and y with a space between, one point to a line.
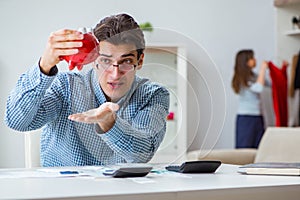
226 183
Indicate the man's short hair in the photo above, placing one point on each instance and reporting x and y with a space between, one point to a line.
120 29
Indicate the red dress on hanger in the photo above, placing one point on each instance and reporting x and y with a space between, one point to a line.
279 94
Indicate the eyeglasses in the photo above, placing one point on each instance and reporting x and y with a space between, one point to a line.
125 65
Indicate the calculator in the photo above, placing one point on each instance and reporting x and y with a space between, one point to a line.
202 166
129 171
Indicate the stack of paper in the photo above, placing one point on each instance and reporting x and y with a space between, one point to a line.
271 168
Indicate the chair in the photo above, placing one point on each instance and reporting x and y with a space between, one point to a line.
32 149
226 156
278 144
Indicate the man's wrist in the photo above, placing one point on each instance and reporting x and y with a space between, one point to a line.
52 72
98 129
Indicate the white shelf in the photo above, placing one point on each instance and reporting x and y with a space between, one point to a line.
293 32
281 3
165 63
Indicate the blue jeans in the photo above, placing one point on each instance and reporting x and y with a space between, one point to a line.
249 131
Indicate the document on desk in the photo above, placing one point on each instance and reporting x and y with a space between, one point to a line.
46 173
271 168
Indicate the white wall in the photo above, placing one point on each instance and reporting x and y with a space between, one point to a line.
220 27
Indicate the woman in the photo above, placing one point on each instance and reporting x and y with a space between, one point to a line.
248 85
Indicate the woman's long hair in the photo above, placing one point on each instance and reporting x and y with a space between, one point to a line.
242 72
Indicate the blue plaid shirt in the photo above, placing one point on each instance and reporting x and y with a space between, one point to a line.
41 101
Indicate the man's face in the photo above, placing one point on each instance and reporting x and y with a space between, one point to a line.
116 67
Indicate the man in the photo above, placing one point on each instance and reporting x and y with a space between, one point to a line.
105 116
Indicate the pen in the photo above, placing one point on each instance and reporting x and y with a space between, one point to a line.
69 172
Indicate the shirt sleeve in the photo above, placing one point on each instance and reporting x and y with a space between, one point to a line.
268 82
256 87
137 142
28 106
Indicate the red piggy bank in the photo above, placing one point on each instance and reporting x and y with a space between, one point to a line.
87 53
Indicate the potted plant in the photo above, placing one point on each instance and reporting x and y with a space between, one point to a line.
147 26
